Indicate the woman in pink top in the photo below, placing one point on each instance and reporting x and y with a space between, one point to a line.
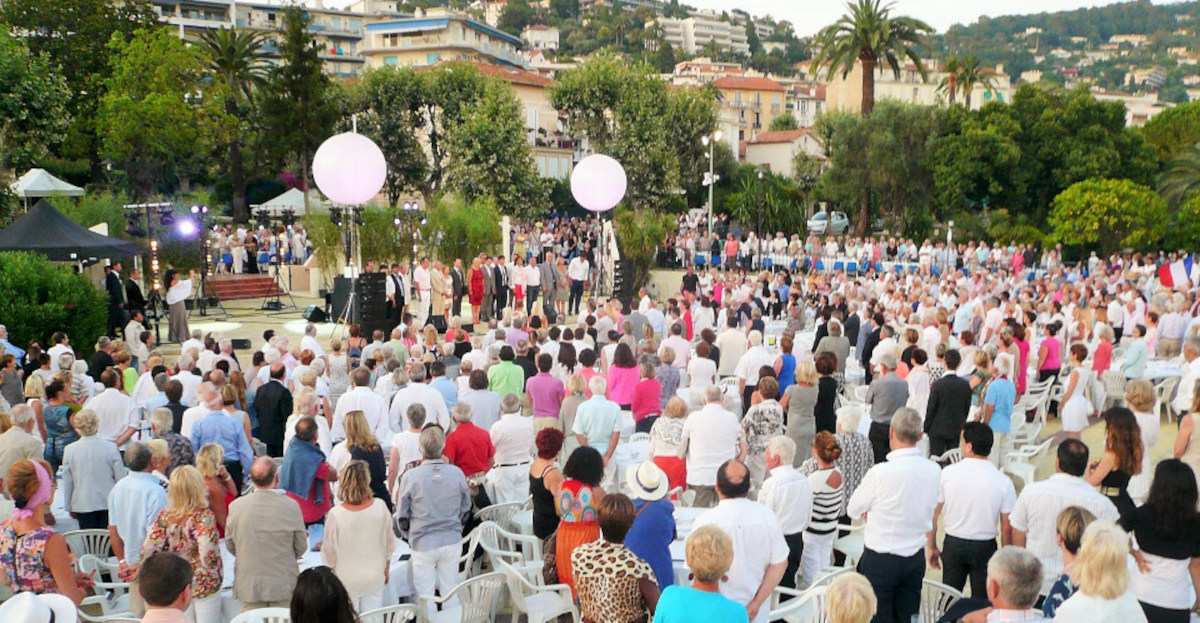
622 376
647 396
1049 362
1021 339
1102 358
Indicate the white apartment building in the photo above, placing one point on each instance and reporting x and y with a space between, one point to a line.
692 34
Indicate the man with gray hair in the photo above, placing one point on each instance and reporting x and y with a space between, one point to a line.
470 449
265 533
755 359
512 437
182 452
710 437
226 347
897 498
431 504
187 378
362 398
309 341
418 392
1014 579
134 502
598 425
886 394
19 442
219 427
790 496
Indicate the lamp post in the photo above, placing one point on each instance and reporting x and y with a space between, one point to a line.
201 212
710 179
761 174
410 213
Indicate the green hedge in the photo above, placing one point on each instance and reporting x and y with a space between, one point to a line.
38 298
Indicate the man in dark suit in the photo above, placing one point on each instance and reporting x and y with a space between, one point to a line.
501 276
489 289
823 328
851 324
134 299
458 287
869 347
274 404
949 403
116 299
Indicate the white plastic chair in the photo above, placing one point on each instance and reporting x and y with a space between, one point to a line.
1163 392
936 599
1024 435
402 613
1114 388
860 393
538 603
264 615
112 598
636 437
521 551
851 542
94 542
1022 462
827 576
949 457
501 514
803 607
478 598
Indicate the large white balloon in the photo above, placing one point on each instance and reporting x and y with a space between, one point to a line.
349 168
598 183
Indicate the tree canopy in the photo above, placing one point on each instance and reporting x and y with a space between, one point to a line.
1111 214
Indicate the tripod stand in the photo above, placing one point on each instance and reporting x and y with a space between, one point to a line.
277 304
342 328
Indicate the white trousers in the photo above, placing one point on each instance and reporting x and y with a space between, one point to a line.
207 610
239 258
818 551
423 307
368 602
436 566
511 483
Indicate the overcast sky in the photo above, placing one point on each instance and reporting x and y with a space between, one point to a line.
809 16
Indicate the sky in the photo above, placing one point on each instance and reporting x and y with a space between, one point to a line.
809 16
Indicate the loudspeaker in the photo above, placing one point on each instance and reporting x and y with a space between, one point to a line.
240 343
313 313
438 322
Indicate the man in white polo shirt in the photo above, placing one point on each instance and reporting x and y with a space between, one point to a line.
711 436
119 416
422 283
789 495
1035 517
760 553
897 498
973 494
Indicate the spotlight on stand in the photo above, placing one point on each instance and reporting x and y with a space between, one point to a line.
187 227
289 216
199 209
166 215
134 224
335 216
263 216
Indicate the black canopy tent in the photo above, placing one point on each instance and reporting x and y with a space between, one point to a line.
47 231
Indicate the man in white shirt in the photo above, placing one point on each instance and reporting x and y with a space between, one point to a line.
309 341
711 436
362 398
533 284
679 344
732 344
897 499
424 298
1186 392
787 493
748 366
196 342
418 392
187 379
512 436
760 552
577 271
191 414
1116 317
972 494
992 319
119 416
1035 517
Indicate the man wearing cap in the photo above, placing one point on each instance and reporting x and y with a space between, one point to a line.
653 530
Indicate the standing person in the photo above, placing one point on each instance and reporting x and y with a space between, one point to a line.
91 468
614 584
133 504
998 403
502 285
749 367
949 405
760 551
886 395
178 291
273 404
134 299
306 474
423 284
1122 459
577 271
762 422
665 437
711 436
116 300
432 502
646 402
790 496
972 494
709 555
800 402
188 527
362 445
579 495
829 496
898 498
545 392
460 286
1076 407
265 532
1103 578
512 436
653 528
358 539
545 478
167 588
598 426
19 441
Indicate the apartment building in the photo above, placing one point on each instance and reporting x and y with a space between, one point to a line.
434 35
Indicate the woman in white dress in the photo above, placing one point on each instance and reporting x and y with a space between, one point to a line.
339 372
1076 407
1139 395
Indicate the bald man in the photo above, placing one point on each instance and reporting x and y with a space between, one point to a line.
760 552
265 532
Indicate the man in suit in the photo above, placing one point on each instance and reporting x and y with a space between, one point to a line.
458 287
852 323
134 299
274 404
502 285
265 532
869 347
949 403
549 282
116 299
489 289
437 290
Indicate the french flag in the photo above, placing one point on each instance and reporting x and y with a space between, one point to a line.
1177 274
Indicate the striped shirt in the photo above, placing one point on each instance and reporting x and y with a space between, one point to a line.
827 502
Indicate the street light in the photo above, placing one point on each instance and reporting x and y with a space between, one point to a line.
710 179
761 173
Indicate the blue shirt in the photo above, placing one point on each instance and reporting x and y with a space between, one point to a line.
684 604
219 428
7 347
651 535
1134 363
597 419
156 401
447 389
133 504
1003 394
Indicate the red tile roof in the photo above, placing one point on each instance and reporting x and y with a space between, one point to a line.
748 84
781 136
513 75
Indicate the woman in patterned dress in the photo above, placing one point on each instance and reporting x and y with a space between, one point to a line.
189 528
578 497
614 585
762 422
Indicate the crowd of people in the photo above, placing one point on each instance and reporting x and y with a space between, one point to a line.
793 404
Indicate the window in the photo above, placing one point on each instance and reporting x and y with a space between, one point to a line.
391 61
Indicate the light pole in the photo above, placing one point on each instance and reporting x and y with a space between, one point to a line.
710 179
761 200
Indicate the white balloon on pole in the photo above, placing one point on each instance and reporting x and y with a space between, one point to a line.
349 168
598 183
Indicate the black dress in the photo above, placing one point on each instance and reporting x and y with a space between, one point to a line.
545 518
825 411
1115 487
378 469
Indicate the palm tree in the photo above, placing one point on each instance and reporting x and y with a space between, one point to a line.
971 74
949 84
238 60
868 34
1181 178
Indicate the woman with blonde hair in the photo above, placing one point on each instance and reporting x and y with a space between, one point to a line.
800 403
221 490
709 555
577 394
850 599
35 396
188 527
665 436
358 538
1121 461
1101 573
1139 395
361 445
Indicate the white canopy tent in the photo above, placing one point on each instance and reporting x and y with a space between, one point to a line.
292 199
37 183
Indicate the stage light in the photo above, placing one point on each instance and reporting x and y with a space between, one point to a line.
396 221
166 215
187 227
199 209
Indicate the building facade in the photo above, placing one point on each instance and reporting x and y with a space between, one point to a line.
845 92
703 28
755 102
436 35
